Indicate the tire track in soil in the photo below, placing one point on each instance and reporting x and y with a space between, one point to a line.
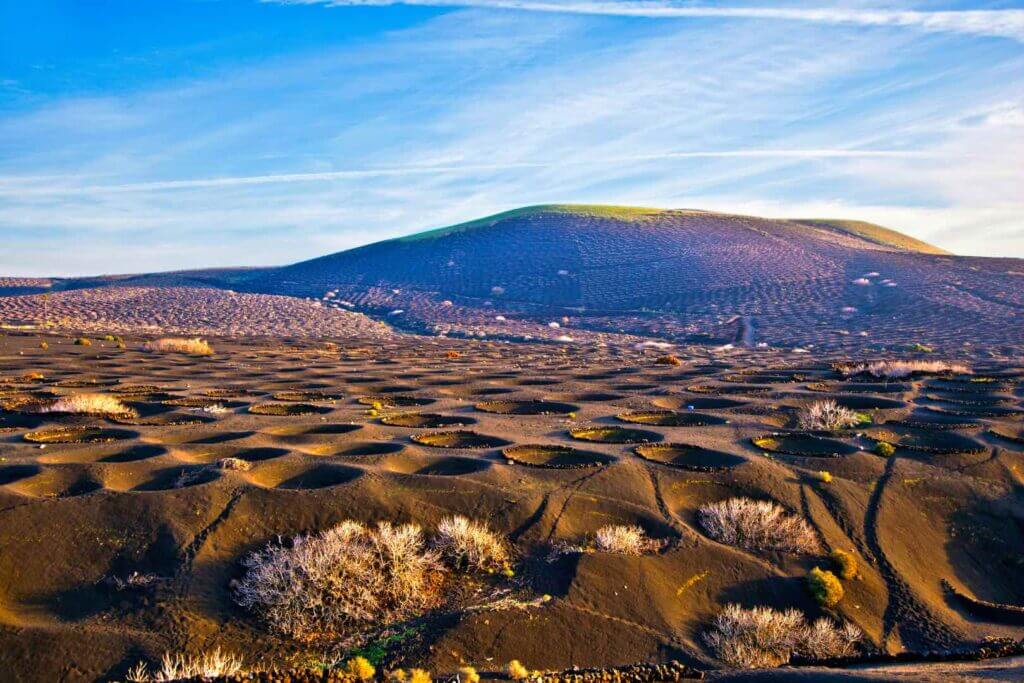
538 514
573 487
918 627
682 528
190 552
852 533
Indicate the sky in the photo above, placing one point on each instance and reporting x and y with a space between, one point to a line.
160 135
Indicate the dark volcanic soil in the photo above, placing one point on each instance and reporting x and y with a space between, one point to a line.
74 516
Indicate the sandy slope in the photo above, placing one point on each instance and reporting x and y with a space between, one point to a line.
76 514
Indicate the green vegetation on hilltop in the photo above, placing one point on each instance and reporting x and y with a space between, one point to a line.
621 213
873 233
870 232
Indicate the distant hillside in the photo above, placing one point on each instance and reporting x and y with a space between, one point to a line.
123 309
874 233
590 273
688 275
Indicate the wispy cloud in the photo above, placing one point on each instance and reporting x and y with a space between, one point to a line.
21 186
1003 23
465 113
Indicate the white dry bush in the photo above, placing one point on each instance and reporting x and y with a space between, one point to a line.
347 576
89 404
192 347
471 544
763 637
827 415
236 464
757 525
898 369
179 666
623 539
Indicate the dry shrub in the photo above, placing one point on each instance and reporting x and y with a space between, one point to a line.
757 525
236 464
180 666
470 544
824 639
89 404
627 540
764 637
669 359
827 416
344 577
896 369
192 347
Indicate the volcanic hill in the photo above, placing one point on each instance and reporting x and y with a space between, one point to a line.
689 276
585 273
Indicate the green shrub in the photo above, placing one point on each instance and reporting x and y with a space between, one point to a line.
83 341
884 449
844 563
825 587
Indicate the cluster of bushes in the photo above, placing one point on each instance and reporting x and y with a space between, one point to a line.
899 369
621 539
327 584
825 584
757 525
89 404
764 637
180 666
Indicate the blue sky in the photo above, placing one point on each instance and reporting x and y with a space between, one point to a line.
139 136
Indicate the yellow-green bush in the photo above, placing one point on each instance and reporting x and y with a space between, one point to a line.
825 587
844 563
884 449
